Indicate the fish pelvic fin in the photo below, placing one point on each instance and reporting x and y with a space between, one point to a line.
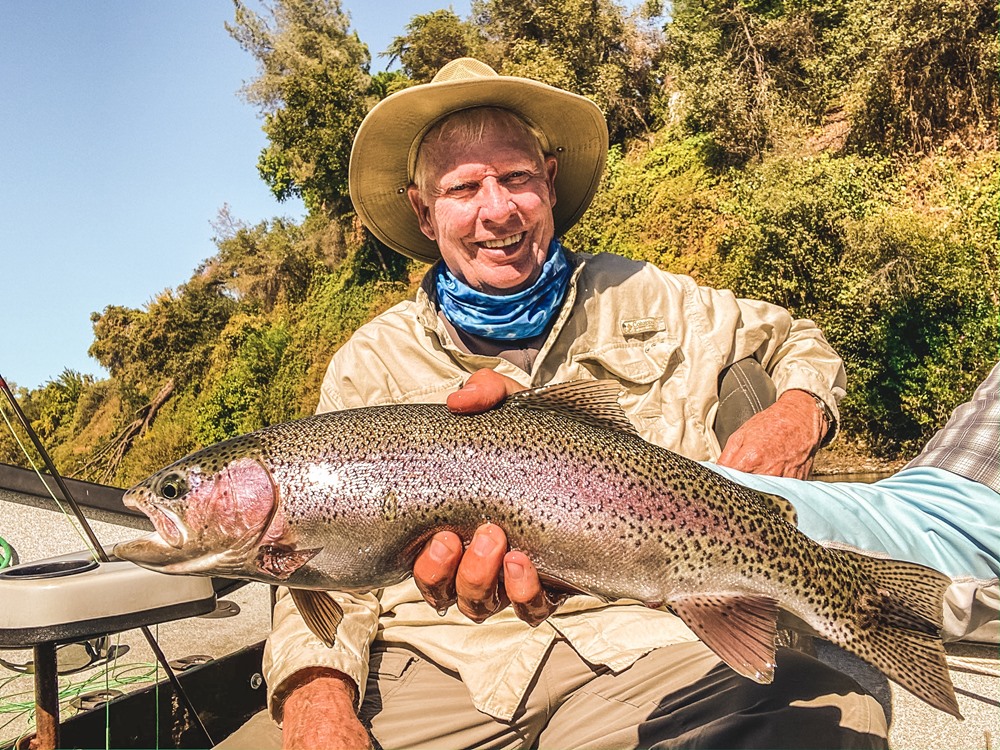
321 612
593 402
740 629
899 628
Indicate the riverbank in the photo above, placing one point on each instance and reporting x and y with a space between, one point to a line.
844 458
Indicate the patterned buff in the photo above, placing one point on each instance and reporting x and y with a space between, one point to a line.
507 317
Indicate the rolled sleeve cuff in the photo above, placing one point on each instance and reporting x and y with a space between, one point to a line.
292 647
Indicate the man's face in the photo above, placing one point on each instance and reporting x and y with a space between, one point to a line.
488 205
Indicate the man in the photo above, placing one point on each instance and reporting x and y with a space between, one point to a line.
486 172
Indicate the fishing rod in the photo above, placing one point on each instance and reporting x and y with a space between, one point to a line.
100 552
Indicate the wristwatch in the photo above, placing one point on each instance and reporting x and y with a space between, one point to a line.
827 415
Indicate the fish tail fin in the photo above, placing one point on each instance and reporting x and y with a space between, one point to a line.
900 628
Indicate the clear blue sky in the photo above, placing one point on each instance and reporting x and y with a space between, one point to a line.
122 135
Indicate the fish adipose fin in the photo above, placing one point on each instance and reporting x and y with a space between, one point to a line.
903 625
593 402
740 629
320 611
782 506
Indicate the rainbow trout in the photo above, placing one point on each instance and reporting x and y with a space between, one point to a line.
346 500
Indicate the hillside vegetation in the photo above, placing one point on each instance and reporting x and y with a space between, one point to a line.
837 157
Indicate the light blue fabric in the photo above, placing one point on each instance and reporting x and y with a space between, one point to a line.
507 317
921 514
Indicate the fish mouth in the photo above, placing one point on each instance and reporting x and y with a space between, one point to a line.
150 551
167 525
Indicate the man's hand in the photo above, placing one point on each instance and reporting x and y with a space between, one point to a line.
320 713
482 391
446 575
779 441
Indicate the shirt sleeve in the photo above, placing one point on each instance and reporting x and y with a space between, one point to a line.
796 354
292 647
793 351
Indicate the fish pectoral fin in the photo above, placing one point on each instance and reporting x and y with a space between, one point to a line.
320 611
740 629
281 562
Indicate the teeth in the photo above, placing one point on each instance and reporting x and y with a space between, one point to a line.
505 242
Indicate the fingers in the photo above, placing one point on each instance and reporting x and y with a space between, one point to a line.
524 589
482 391
478 580
435 568
446 576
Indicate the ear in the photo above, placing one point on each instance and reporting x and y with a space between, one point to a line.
423 212
551 167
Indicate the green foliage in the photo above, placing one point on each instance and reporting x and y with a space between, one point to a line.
659 204
925 72
906 295
246 361
314 89
788 224
173 338
263 266
431 40
591 47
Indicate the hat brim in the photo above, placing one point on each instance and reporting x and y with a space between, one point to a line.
379 175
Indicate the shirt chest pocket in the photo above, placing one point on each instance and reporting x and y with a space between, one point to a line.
634 362
653 374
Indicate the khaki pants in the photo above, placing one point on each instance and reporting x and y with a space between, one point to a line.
675 697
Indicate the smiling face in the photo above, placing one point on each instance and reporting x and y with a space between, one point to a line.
485 195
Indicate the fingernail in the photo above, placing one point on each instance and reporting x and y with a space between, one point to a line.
442 611
515 572
483 545
439 551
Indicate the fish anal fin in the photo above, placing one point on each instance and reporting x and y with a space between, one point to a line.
557 589
280 562
321 612
740 629
593 402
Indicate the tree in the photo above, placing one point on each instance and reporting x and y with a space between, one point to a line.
313 90
431 40
591 47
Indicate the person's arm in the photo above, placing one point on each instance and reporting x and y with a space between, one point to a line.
320 712
808 375
313 689
781 440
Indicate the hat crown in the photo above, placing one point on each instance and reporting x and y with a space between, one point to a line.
463 69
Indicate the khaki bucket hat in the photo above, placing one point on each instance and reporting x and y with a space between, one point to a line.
385 146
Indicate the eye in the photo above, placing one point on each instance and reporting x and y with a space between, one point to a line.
518 177
173 486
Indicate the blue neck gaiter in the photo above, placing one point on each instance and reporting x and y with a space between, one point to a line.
506 317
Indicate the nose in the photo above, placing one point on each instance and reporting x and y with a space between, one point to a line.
496 205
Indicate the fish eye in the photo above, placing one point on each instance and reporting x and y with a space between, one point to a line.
173 487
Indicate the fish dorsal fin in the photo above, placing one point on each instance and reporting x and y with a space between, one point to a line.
321 612
782 506
594 402
740 629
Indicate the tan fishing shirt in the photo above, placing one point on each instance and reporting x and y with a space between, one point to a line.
666 340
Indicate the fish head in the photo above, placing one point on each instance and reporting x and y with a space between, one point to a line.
209 511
